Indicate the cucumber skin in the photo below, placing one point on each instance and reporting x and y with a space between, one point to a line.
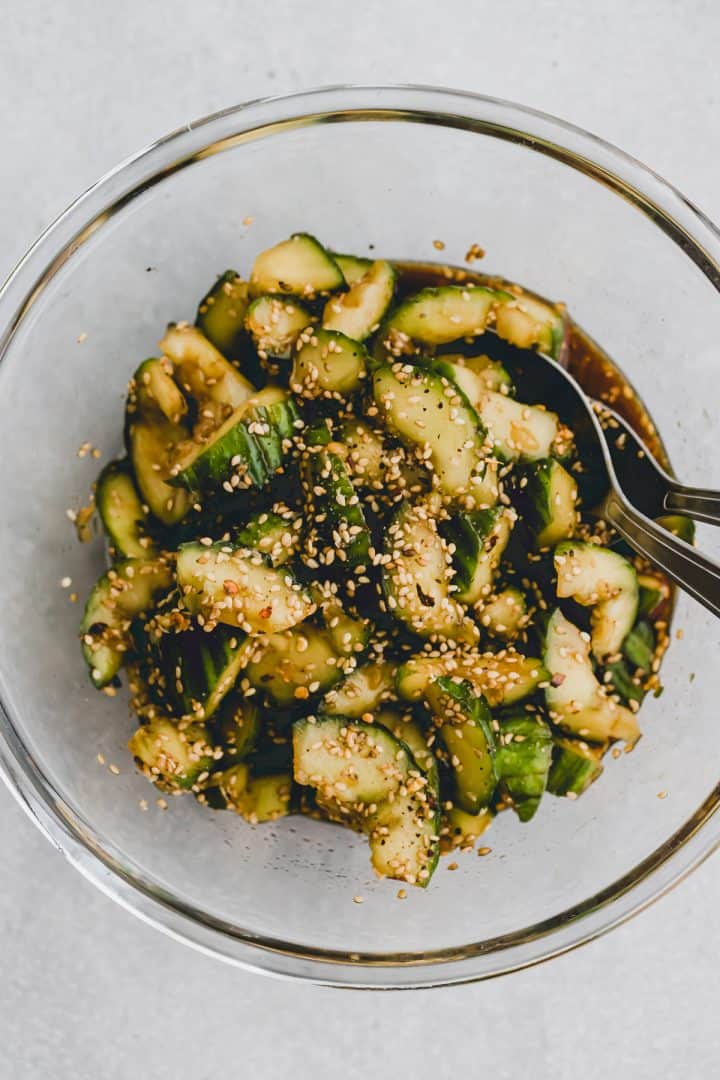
338 482
262 454
523 766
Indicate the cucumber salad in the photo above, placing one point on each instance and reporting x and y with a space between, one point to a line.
353 573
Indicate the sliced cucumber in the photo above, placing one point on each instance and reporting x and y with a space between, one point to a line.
154 430
204 373
362 692
353 268
349 761
517 432
296 664
221 312
463 830
437 316
300 265
122 513
121 595
550 498
237 726
358 311
505 614
275 324
681 526
428 412
372 782
327 364
639 646
153 390
417 575
252 444
575 765
339 529
368 456
602 579
530 323
238 587
407 730
523 758
503 678
575 699
466 732
201 668
492 374
176 757
404 837
256 798
275 533
480 538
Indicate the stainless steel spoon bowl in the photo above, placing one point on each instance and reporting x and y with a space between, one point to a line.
541 379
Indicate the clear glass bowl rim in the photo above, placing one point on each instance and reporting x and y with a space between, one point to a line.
670 211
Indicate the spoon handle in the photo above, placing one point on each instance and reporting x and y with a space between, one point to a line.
702 504
688 568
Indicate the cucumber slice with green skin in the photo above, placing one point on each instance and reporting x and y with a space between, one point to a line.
417 575
252 445
275 533
153 390
176 757
404 837
358 764
505 614
463 830
491 373
300 265
575 699
200 669
530 323
292 666
653 592
256 798
204 373
550 498
602 579
221 584
371 461
275 324
681 526
362 692
359 311
517 432
503 678
429 413
221 312
575 766
237 725
639 646
353 267
339 529
522 760
408 731
466 732
327 364
626 685
480 538
154 430
121 595
437 316
122 513
371 781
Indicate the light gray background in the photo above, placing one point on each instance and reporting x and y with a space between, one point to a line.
89 992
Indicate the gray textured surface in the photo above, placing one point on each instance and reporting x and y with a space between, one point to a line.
83 84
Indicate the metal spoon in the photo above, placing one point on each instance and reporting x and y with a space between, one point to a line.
542 380
646 484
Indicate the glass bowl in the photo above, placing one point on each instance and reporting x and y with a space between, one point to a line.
389 170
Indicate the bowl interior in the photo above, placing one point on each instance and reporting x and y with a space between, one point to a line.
389 187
